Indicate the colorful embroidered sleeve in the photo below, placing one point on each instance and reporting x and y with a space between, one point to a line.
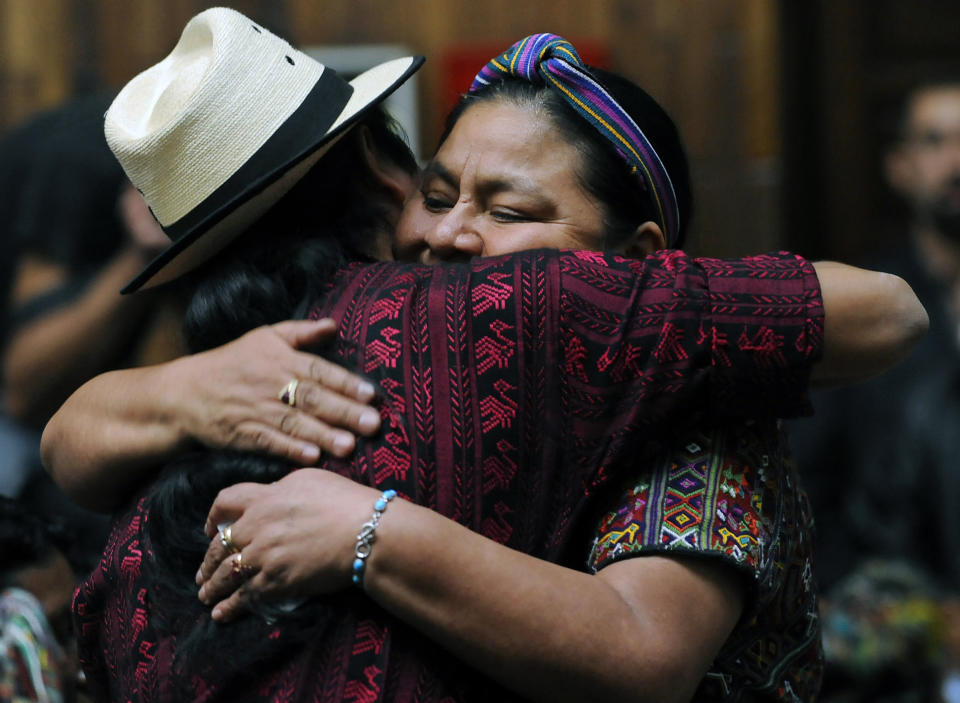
733 493
717 492
32 662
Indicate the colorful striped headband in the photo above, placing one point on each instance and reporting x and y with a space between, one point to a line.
552 60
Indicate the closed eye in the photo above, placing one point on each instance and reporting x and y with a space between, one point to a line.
509 216
435 203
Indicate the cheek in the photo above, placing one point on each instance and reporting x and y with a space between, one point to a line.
933 166
411 231
512 238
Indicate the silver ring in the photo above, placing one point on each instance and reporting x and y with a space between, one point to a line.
288 394
226 538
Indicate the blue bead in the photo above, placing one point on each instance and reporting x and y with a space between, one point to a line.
380 505
390 494
356 579
357 566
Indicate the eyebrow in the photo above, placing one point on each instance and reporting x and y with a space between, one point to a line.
435 169
490 186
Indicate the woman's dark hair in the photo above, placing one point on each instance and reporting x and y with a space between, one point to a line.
245 647
603 172
28 539
276 270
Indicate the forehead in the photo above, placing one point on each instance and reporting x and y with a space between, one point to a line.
936 107
501 138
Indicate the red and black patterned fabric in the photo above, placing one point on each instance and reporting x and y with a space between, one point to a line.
518 392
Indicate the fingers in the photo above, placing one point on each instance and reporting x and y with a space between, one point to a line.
231 608
337 379
242 404
327 391
229 505
227 578
293 435
258 437
228 575
221 558
304 333
327 405
228 586
216 556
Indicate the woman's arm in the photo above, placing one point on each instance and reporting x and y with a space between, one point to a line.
872 321
48 357
113 432
627 633
115 428
67 343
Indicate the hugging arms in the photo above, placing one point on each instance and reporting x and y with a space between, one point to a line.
106 439
458 576
448 581
517 393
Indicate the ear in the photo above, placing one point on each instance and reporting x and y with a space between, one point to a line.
387 177
645 240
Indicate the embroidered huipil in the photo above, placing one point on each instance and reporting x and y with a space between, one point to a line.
32 661
516 389
732 493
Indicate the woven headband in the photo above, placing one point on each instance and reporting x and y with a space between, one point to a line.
552 60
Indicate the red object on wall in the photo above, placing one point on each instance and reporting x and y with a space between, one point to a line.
459 65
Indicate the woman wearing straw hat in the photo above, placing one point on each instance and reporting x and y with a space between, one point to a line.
352 625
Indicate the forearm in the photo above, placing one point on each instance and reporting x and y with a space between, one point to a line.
872 321
112 433
545 631
49 357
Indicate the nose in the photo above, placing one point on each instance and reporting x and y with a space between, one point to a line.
455 237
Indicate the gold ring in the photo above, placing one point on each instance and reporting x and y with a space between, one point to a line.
288 394
239 568
226 538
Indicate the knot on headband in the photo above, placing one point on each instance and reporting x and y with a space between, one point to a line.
551 60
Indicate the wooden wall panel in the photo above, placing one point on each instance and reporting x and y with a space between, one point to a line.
710 62
713 65
847 66
35 37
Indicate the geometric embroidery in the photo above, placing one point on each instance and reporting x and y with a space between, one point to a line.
732 492
514 390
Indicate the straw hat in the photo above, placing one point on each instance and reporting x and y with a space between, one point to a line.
220 129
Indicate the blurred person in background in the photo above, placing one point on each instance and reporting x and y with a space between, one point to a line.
38 659
75 231
18 446
879 457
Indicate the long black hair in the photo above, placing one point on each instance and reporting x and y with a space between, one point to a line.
276 270
602 172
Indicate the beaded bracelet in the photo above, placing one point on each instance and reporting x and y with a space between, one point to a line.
367 536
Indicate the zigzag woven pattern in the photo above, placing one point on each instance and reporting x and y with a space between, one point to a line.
515 391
